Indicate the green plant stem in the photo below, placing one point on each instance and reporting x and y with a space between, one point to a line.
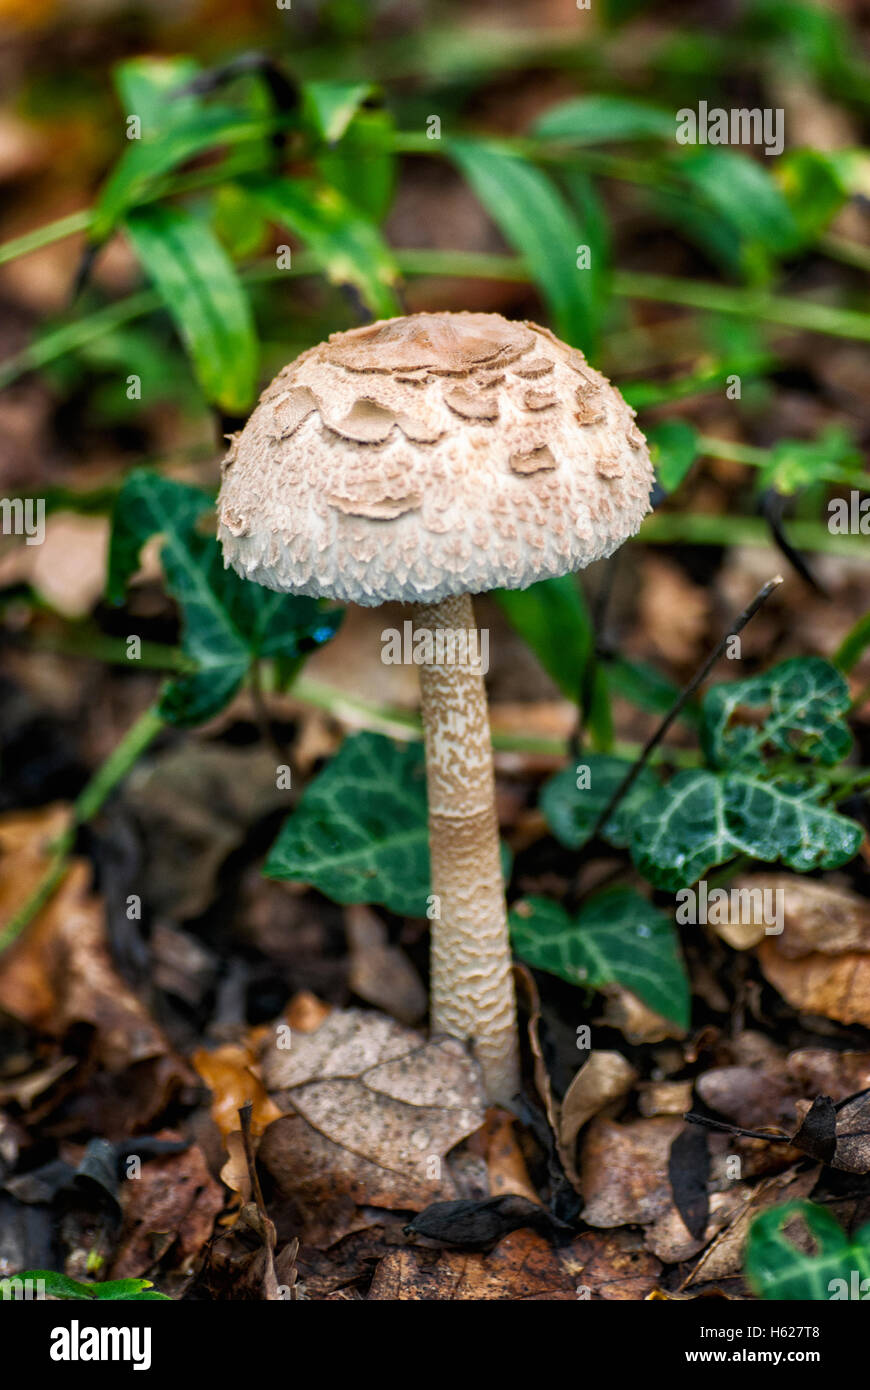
85 807
46 235
702 528
665 289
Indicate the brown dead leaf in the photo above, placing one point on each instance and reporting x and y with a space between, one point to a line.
380 973
816 915
60 973
836 987
724 1258
69 568
373 1112
523 1267
231 1074
624 1171
174 1202
505 1165
604 1077
636 1022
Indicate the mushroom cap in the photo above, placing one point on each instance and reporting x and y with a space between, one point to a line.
432 455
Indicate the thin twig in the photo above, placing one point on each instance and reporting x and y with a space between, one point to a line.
685 694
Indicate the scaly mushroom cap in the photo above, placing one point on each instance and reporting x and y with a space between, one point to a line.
431 455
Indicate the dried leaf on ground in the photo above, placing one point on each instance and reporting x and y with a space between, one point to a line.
172 1203
523 1267
374 1111
604 1077
380 973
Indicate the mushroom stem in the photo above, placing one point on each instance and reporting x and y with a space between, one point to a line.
472 990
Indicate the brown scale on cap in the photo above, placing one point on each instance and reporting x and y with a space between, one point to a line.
424 459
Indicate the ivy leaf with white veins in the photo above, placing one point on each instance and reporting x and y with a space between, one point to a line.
778 1268
360 833
228 622
703 818
572 811
807 699
617 938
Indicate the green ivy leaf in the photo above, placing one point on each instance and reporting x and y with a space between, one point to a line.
200 289
347 245
572 811
359 834
228 621
701 819
776 1268
616 938
595 120
807 699
553 619
509 187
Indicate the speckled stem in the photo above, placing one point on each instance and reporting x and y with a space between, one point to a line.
472 985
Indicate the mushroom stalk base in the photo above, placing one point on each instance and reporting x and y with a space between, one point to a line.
472 988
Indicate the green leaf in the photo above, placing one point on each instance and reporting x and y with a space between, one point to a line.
703 818
145 88
229 622
553 619
571 810
743 196
61 1286
814 189
798 463
595 120
200 289
329 107
616 938
145 161
537 222
675 446
348 247
807 699
359 834
362 165
777 1268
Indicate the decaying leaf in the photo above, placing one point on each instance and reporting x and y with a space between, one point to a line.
603 1078
372 1112
522 1267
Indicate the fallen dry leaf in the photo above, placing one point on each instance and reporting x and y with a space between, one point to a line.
624 1170
68 569
603 1078
373 1112
523 1267
836 987
380 973
59 972
173 1203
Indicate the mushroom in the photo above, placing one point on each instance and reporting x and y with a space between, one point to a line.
425 459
